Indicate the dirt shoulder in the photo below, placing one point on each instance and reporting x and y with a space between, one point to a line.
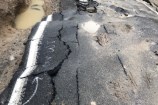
12 41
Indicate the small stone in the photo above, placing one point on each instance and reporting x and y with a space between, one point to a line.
91 9
93 103
153 43
11 58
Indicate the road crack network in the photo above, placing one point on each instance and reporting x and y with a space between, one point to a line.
56 69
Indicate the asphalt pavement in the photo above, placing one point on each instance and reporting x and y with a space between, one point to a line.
104 58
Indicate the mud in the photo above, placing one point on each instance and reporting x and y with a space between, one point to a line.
33 14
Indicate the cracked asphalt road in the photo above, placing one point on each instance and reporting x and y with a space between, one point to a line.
104 58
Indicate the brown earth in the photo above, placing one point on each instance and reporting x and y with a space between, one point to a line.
12 41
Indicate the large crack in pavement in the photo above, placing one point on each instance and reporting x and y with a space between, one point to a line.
53 72
78 94
77 36
124 69
58 67
42 71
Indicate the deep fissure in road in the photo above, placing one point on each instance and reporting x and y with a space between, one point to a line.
120 61
77 35
56 69
78 94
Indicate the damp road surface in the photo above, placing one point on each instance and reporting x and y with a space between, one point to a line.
78 58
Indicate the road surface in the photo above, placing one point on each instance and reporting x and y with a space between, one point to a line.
80 58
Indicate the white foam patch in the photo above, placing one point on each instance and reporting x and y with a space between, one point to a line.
90 26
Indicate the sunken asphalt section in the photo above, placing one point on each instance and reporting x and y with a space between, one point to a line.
105 58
